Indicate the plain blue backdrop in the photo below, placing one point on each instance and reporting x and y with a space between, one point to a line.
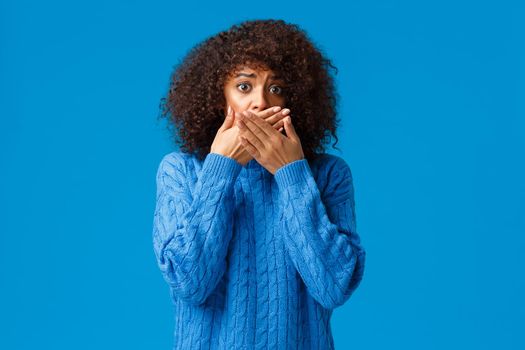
432 102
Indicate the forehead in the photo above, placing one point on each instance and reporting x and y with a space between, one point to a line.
253 69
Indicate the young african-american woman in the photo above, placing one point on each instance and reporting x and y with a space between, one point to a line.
254 226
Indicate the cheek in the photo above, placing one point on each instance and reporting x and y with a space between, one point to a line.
238 104
277 101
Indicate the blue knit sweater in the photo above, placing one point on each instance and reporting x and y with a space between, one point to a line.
255 260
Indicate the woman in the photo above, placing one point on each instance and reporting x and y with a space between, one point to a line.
254 226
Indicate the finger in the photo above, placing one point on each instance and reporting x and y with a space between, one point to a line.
245 131
268 112
258 126
279 123
255 128
228 120
251 149
278 116
290 130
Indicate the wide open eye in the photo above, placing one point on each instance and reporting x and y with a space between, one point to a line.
276 89
243 87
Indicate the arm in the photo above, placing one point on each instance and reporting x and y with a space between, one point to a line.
192 231
320 234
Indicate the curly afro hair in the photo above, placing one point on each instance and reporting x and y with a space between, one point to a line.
195 101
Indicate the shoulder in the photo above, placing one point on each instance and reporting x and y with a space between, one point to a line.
175 163
332 174
330 167
175 158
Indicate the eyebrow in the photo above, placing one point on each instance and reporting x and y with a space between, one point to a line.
253 75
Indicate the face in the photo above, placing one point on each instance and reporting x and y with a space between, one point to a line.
253 90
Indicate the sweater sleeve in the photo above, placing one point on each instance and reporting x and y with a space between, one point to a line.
192 228
319 230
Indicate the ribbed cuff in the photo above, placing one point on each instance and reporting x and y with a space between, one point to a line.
292 173
221 166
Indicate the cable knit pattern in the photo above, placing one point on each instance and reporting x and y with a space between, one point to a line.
255 260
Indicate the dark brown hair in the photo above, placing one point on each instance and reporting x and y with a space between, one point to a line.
195 102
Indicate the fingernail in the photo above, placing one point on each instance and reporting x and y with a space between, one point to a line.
285 111
276 109
229 110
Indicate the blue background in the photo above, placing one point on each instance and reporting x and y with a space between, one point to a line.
432 102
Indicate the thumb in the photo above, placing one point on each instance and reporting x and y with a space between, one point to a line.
228 121
290 130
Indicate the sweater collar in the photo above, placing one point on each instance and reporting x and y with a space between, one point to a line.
253 167
252 164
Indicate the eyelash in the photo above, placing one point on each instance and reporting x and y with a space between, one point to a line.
247 83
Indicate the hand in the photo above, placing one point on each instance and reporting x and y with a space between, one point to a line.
227 141
268 146
272 115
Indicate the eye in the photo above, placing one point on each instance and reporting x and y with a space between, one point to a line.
240 85
279 89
